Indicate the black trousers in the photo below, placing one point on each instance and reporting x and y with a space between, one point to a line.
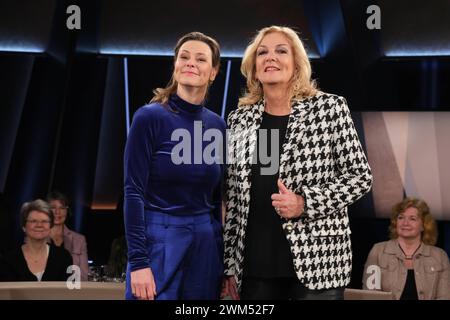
285 289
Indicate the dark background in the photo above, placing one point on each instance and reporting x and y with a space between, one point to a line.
67 96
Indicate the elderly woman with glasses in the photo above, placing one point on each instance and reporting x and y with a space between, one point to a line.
36 260
62 236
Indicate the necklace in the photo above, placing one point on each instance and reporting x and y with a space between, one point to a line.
35 259
409 257
38 258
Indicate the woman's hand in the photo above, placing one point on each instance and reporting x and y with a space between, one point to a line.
229 288
143 284
286 203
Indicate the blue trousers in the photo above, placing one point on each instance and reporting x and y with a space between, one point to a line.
185 255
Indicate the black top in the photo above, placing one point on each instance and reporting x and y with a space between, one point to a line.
3 269
410 290
267 252
16 268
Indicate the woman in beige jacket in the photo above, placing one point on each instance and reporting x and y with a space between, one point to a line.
409 265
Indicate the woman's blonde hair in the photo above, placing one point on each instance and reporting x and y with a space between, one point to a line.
429 234
162 95
301 84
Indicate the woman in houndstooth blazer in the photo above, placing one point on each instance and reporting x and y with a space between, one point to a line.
287 232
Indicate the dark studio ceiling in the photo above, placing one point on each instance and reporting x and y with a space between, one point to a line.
142 27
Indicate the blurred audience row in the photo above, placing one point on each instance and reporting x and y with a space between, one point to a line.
49 247
409 265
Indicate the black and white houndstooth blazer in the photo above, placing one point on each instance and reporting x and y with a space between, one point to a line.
322 159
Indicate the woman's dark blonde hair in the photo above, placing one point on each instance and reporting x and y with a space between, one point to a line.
429 234
301 84
162 95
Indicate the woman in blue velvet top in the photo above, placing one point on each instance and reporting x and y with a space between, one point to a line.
173 175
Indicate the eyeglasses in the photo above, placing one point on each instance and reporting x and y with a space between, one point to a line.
60 208
38 221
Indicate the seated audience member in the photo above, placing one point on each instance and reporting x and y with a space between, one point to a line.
61 235
36 260
409 265
117 262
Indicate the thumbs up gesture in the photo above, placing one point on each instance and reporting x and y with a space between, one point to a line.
286 203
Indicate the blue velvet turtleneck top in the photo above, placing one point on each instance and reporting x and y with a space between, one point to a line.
154 182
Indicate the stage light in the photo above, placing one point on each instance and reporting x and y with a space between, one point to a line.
25 48
417 53
169 52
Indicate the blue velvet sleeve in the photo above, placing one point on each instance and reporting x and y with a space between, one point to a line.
137 157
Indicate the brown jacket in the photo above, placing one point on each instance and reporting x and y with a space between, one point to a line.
431 268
